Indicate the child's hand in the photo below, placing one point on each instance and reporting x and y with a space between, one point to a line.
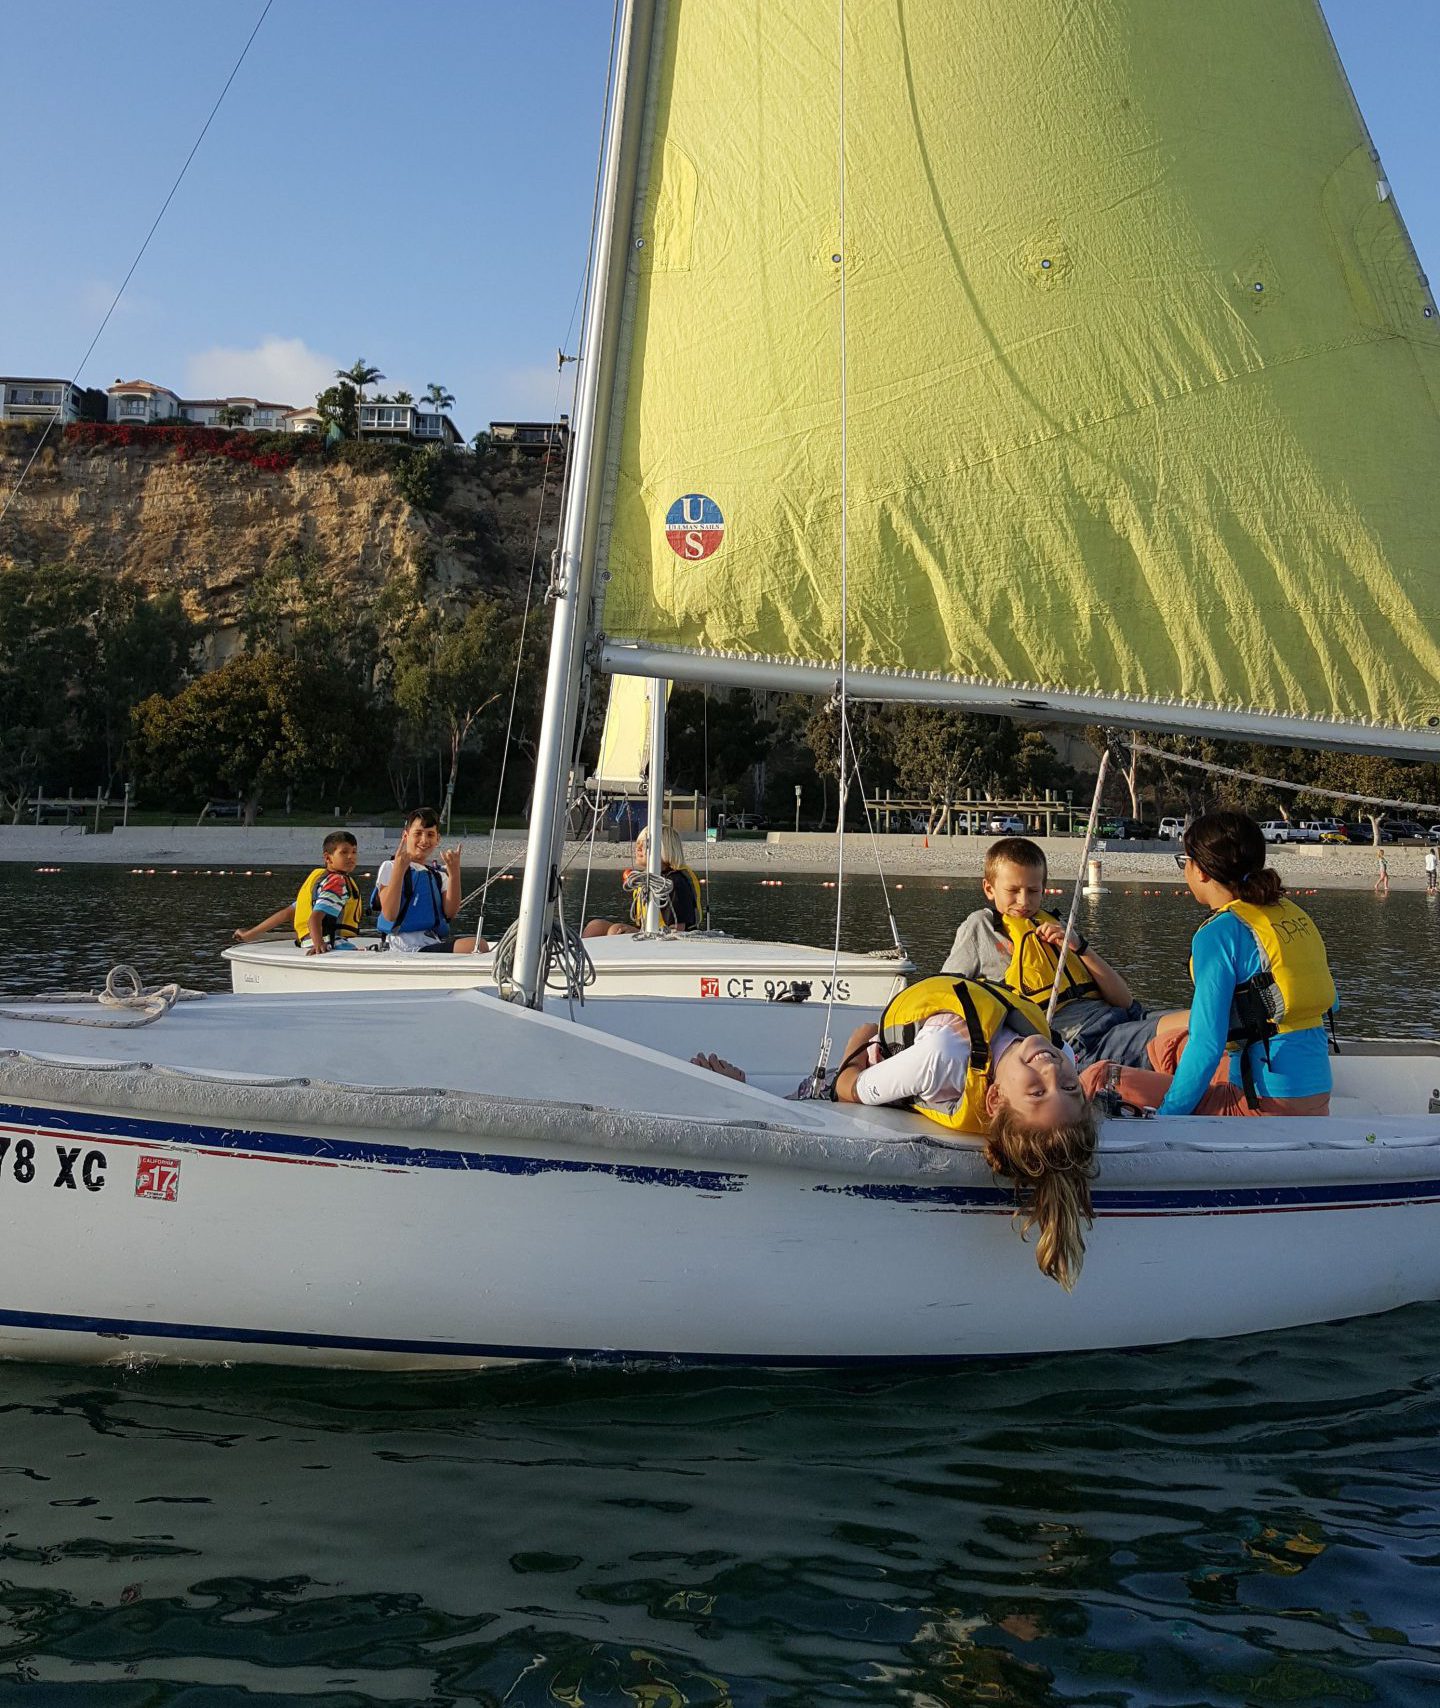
1051 931
451 857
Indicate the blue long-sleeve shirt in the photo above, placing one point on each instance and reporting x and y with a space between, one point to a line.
1226 952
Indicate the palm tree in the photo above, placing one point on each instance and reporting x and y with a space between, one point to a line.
403 397
360 374
439 399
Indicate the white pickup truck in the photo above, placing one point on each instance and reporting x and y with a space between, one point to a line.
1324 830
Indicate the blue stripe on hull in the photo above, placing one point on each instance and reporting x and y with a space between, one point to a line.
120 1329
144 1130
1220 1200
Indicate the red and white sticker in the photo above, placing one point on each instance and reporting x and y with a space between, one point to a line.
158 1177
709 987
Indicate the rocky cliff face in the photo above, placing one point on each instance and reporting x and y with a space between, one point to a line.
210 526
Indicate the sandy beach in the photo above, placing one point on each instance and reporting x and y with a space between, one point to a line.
781 851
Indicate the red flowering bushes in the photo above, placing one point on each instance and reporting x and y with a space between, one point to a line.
269 451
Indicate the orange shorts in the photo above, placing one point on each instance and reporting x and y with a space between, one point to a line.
1146 1089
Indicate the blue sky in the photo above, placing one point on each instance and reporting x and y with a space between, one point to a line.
408 183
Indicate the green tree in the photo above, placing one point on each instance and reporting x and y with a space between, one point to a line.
438 398
404 397
48 627
339 409
241 730
359 374
450 673
146 644
944 755
231 415
727 729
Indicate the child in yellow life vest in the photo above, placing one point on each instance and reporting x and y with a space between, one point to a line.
329 909
685 908
977 1059
1014 941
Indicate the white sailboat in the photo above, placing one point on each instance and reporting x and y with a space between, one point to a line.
707 964
1007 353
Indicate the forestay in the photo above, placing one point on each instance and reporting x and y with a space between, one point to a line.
1143 400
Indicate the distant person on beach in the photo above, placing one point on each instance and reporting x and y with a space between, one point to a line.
1014 941
685 907
978 1060
417 896
1262 988
1432 871
1382 882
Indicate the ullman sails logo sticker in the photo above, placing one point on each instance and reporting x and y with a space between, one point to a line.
694 526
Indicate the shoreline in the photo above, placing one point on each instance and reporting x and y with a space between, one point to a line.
146 846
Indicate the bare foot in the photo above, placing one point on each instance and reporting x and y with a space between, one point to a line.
718 1064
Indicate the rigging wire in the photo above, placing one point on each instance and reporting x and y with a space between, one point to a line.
895 936
842 770
582 299
1069 936
139 256
705 828
1281 782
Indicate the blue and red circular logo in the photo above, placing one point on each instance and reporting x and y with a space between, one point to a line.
694 526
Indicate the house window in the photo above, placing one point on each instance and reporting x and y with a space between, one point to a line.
132 406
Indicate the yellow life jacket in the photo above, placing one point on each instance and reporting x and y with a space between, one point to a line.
352 915
1292 992
677 875
1032 961
985 1008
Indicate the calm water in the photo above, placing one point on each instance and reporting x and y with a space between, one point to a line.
1250 1522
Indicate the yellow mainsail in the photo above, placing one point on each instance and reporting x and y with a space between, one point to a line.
1141 401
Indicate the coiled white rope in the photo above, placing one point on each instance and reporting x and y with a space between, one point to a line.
140 1004
650 884
566 964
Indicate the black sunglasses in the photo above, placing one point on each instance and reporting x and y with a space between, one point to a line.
1181 860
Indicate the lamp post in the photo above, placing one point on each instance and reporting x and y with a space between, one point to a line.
797 809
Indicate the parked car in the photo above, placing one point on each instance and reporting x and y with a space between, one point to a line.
1006 824
1434 833
226 809
1276 830
1326 829
740 821
1172 829
1123 829
1405 829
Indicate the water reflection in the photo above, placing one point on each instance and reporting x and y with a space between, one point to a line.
1223 1524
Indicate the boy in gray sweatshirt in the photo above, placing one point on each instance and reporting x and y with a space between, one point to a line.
1014 941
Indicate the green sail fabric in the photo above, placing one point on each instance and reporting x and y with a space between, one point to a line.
1142 389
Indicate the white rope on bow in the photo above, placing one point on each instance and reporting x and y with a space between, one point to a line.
137 1003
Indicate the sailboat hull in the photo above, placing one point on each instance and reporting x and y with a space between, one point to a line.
698 964
202 1211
